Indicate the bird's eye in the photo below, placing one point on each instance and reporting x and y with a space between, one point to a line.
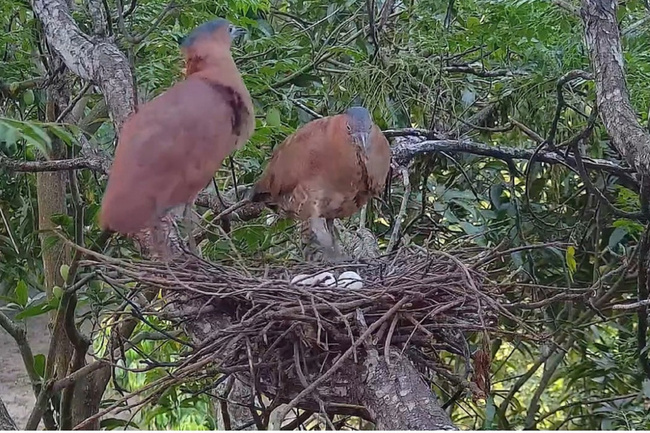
349 127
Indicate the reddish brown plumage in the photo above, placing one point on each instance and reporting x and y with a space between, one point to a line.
318 172
170 149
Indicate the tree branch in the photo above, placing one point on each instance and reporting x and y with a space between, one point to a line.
96 60
52 165
6 421
483 73
620 120
11 90
20 336
407 150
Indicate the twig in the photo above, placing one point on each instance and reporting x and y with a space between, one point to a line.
632 306
582 402
40 407
72 378
467 69
526 130
74 101
389 338
402 211
638 216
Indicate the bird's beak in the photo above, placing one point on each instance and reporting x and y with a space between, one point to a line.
362 139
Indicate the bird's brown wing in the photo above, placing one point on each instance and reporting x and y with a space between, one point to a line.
168 151
378 161
293 161
313 173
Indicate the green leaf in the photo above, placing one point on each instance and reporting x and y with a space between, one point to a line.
10 136
62 134
617 236
490 414
64 271
469 228
571 259
495 195
22 293
38 138
473 22
38 309
39 364
115 423
28 97
273 117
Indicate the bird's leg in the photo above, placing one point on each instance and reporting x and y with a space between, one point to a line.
336 241
307 240
159 240
188 223
322 237
326 240
330 226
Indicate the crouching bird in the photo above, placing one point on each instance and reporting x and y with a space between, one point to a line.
329 168
169 150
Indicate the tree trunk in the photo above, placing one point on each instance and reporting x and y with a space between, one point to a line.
620 120
6 422
51 198
628 136
396 396
100 61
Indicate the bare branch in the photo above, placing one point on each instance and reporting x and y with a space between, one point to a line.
392 243
413 405
483 73
407 150
52 165
11 90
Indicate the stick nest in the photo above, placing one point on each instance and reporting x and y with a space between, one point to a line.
255 321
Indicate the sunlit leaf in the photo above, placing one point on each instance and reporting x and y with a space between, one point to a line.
22 293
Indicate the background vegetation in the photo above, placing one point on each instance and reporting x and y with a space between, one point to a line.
484 70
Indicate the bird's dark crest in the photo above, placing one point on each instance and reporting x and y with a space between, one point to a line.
203 30
359 114
359 118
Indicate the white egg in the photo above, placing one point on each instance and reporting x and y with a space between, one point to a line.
271 219
350 280
302 280
325 279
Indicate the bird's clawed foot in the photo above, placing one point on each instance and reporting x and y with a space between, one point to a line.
336 257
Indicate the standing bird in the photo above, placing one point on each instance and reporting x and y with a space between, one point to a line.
329 168
171 147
